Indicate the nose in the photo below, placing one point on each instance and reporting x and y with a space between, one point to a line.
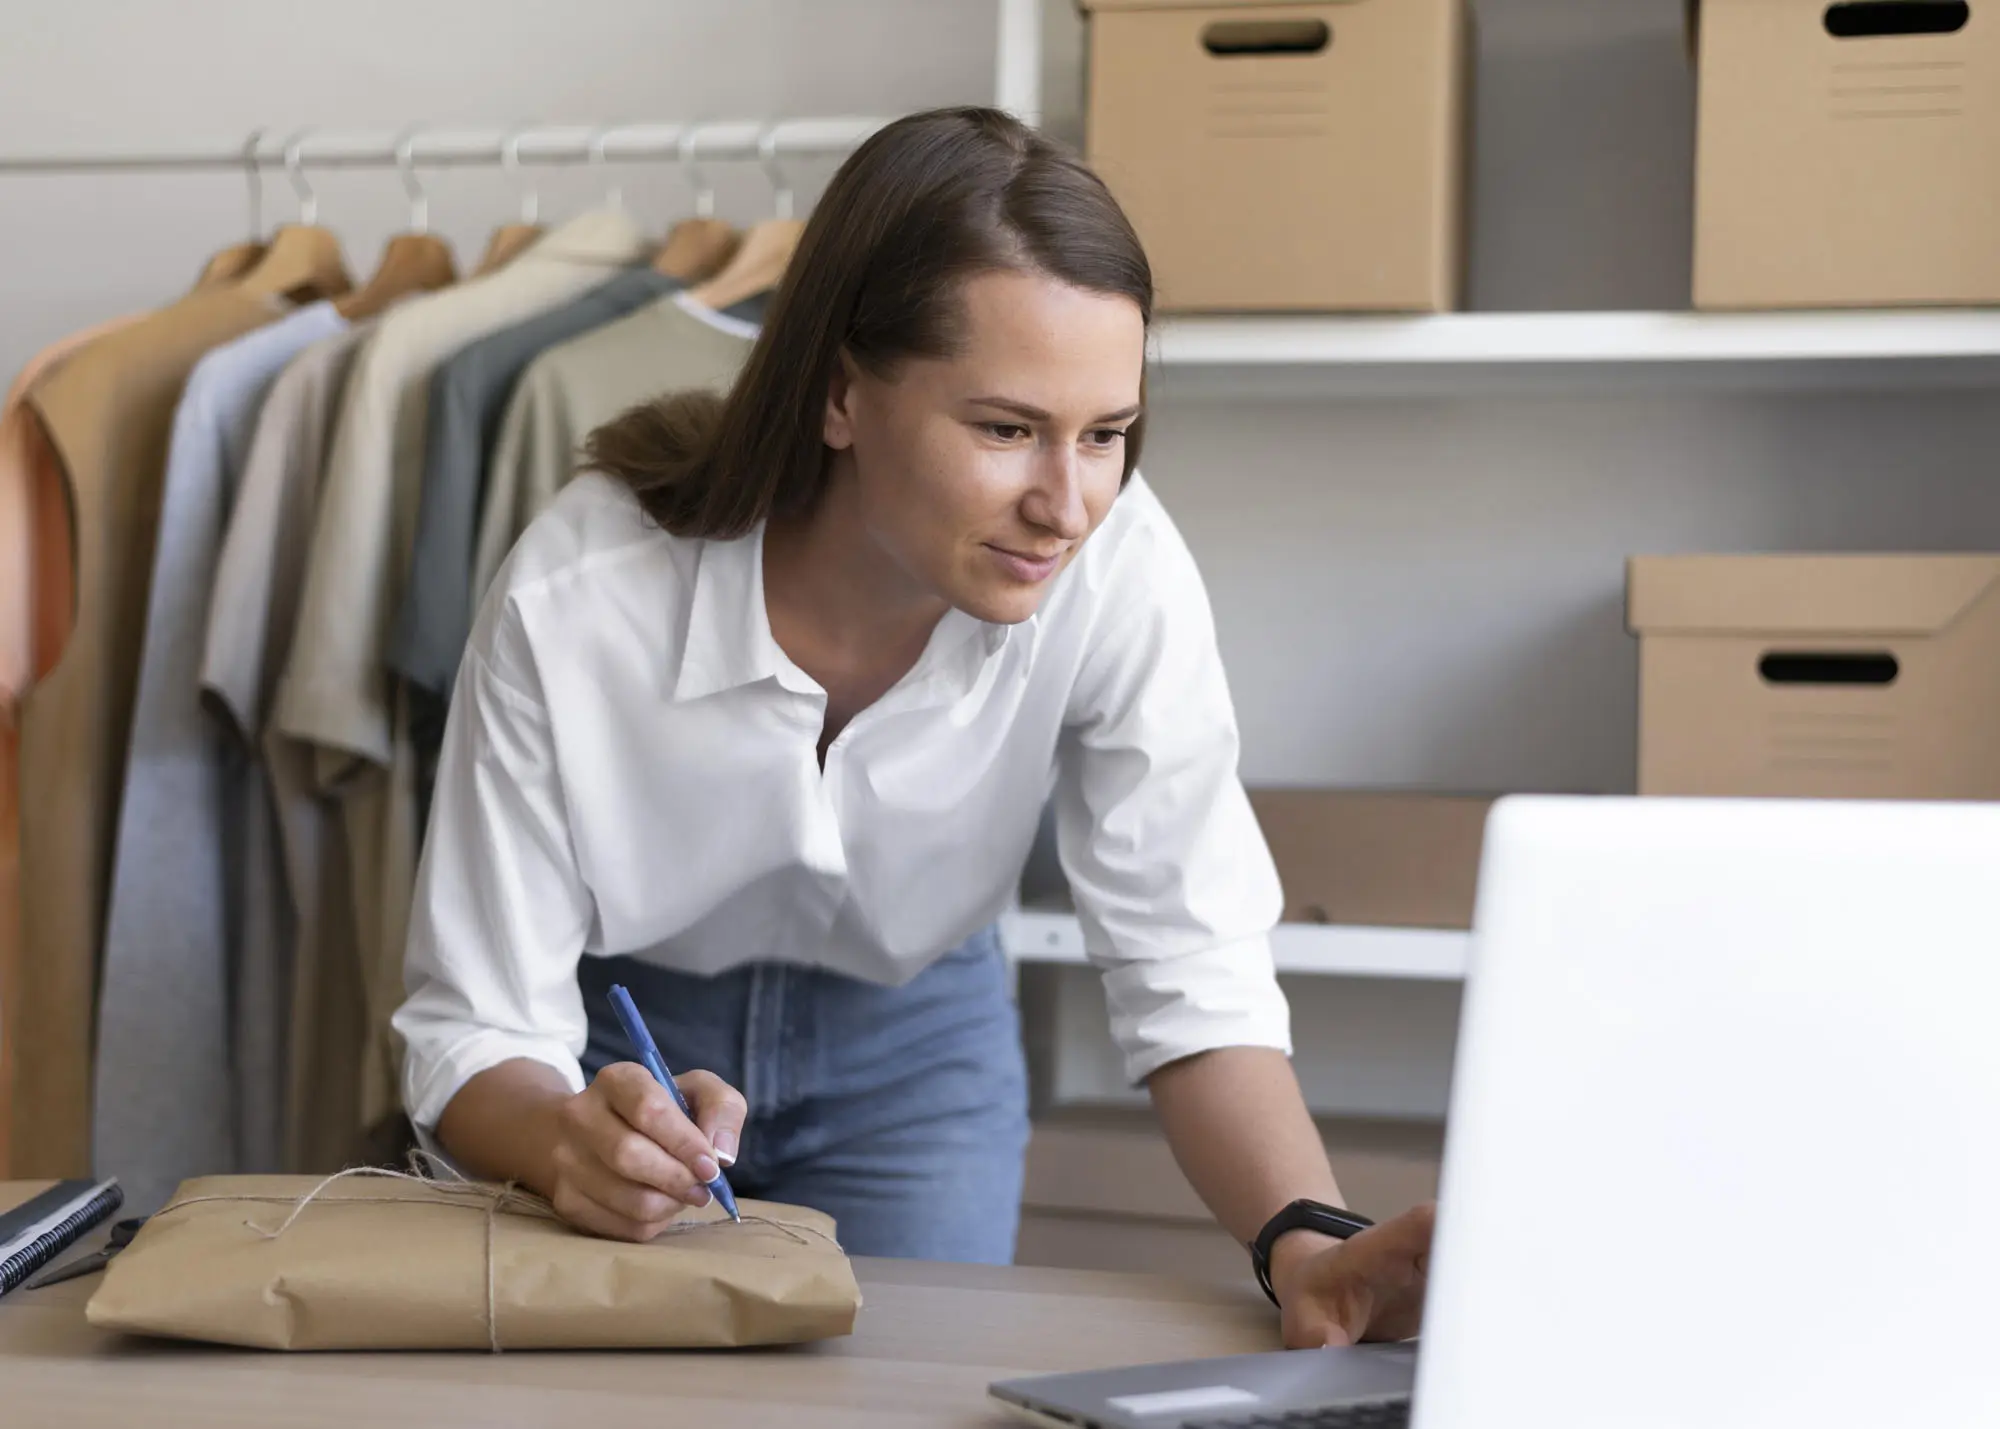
1054 502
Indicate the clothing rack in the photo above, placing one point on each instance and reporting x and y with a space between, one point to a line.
687 143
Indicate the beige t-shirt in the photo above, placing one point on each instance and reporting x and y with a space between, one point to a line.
670 346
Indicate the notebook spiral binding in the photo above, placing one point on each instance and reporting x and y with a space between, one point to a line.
52 1242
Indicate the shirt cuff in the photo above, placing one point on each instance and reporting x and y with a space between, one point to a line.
431 1080
1167 1008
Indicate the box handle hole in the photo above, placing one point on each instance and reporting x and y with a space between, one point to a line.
1866 19
1266 37
1791 667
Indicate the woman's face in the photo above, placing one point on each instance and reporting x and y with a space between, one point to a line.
981 475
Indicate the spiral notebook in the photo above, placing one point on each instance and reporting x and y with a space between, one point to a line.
39 1230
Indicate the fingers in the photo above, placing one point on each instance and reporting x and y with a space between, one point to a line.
615 1163
593 1217
647 1107
1411 1234
627 1160
621 1169
1367 1288
1380 1276
719 1110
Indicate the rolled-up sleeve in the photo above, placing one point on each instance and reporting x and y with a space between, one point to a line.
501 913
1174 885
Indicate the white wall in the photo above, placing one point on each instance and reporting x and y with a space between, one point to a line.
137 74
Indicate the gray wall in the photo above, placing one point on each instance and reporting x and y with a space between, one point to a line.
125 74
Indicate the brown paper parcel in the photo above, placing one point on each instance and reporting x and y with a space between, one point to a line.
381 1261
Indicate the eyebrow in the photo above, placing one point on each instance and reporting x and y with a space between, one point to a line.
1036 414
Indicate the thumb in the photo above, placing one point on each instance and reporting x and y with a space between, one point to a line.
719 1110
1326 1317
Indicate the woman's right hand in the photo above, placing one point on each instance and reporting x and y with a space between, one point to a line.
625 1161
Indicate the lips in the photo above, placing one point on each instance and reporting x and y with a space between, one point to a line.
1026 567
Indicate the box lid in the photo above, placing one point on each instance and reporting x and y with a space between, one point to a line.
1804 595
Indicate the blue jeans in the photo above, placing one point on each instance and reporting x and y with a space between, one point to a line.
902 1112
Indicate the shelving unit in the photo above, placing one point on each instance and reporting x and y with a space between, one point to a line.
1408 954
1459 354
1417 586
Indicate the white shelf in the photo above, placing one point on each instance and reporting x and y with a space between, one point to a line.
1415 954
1294 356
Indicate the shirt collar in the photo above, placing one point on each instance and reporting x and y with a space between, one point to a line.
720 321
729 641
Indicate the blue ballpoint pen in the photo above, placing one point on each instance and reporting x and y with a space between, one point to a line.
649 1053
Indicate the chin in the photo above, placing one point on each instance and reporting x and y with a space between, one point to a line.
1001 605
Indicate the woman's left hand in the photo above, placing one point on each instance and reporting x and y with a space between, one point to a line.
1368 1288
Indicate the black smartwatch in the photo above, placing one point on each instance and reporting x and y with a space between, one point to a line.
1301 1216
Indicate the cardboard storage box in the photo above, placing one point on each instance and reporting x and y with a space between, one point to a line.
1103 1192
1818 676
1366 859
1273 157
1849 153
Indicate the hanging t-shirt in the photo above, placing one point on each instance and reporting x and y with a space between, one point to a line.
188 1077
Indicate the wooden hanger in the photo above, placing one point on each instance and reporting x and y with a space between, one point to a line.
509 241
697 249
762 254
302 263
229 264
758 267
411 263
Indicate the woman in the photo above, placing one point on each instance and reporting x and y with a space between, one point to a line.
759 719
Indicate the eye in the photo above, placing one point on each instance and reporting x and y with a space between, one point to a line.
1104 438
1005 431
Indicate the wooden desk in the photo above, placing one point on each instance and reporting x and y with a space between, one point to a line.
930 1339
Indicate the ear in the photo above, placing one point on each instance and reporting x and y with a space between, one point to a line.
837 429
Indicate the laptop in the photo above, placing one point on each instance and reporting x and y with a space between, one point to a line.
1724 1146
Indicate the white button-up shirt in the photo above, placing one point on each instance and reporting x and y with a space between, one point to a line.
630 768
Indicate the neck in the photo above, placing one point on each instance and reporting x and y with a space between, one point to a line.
838 604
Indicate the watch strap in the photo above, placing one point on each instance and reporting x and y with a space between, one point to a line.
1301 1215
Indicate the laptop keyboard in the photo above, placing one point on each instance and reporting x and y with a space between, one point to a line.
1373 1414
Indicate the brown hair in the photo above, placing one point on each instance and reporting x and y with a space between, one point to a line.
924 204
